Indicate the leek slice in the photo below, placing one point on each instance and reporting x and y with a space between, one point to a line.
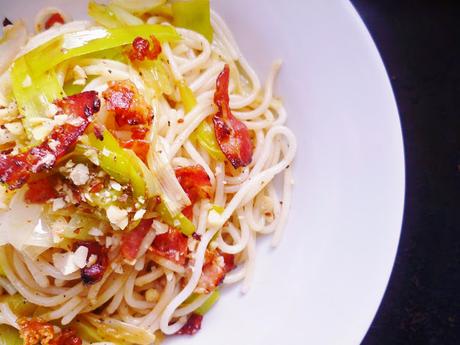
206 137
114 160
187 96
19 305
171 192
193 15
179 221
139 6
9 336
206 306
87 331
121 332
103 15
79 43
34 93
157 76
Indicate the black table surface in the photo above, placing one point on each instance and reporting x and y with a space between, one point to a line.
420 45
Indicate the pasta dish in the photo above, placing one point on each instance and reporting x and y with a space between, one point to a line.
140 159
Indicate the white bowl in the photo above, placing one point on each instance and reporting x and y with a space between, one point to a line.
323 285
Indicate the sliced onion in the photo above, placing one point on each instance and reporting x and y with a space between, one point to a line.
14 37
21 225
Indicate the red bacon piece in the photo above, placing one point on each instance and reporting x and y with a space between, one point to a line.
140 148
171 245
127 105
139 132
15 170
41 191
188 212
67 337
55 18
231 134
192 325
196 183
131 241
35 331
215 267
94 273
141 49
229 261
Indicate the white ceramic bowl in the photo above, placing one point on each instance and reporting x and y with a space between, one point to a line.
323 285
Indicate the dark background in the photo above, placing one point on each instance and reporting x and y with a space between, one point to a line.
420 45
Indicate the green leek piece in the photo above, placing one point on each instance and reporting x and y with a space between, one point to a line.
139 7
9 336
124 16
87 331
2 273
103 15
164 10
157 76
69 45
109 54
206 306
206 137
187 96
151 182
180 221
218 209
33 92
71 89
118 332
19 305
114 160
103 201
193 15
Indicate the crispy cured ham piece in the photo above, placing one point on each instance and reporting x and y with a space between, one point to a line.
140 147
172 246
216 266
55 18
127 105
196 183
15 170
131 242
38 332
67 337
141 50
232 135
35 331
40 191
192 325
95 272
